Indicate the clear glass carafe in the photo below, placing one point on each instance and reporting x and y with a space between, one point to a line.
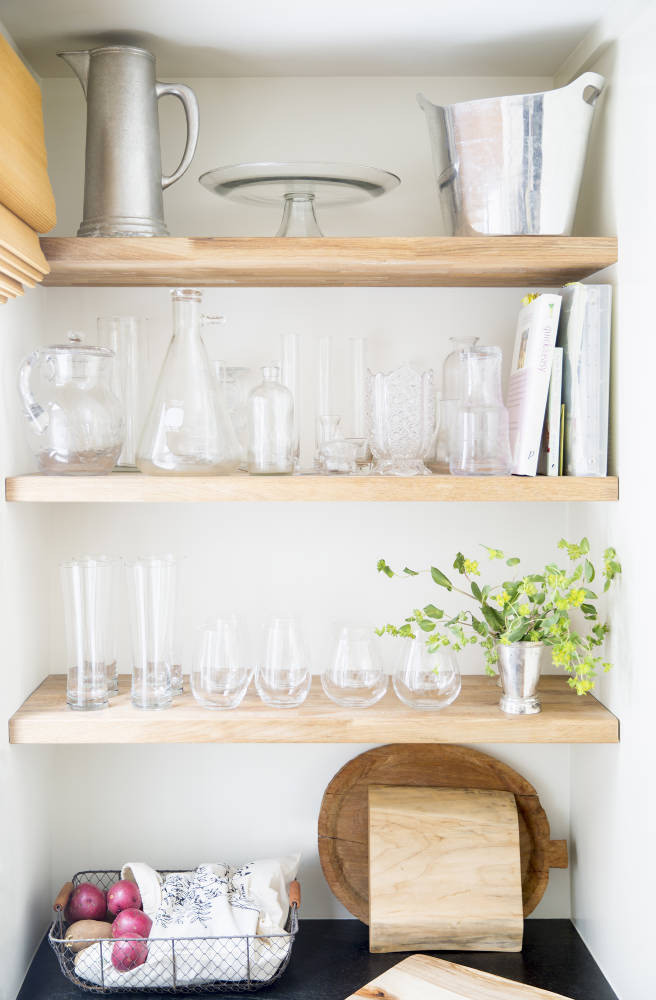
451 367
188 431
74 420
355 677
425 680
271 448
480 439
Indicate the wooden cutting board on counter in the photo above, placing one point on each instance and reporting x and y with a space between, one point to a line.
344 814
421 977
444 870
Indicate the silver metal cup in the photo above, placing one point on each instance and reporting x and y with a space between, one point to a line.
519 669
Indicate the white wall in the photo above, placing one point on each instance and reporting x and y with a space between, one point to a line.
613 808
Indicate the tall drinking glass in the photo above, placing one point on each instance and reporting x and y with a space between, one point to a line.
151 590
283 677
121 334
221 673
355 676
87 586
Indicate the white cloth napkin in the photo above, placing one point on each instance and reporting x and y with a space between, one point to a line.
213 901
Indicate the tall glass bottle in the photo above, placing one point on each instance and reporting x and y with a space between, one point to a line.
188 431
270 426
480 439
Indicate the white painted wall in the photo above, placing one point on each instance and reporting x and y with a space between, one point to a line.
613 808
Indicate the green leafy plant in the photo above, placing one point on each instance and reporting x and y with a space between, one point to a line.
539 607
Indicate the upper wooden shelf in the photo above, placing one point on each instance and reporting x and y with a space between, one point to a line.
130 487
393 261
474 717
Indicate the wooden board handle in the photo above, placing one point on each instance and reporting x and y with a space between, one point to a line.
62 897
295 894
557 854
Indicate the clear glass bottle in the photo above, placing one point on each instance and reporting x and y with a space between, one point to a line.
425 680
451 367
270 426
188 430
480 438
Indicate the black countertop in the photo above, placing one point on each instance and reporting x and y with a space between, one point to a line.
330 960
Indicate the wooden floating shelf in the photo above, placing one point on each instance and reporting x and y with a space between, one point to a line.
389 261
474 717
131 487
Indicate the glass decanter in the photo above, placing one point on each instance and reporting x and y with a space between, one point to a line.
271 448
451 367
188 431
480 437
448 403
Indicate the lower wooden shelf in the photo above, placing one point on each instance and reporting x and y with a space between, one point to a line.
474 718
330 960
130 487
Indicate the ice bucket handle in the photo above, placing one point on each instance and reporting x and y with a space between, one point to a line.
590 86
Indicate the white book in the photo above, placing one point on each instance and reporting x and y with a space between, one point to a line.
549 460
584 335
530 374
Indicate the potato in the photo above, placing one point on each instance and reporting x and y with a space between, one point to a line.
84 932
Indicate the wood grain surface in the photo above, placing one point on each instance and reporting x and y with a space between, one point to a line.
444 870
344 827
388 261
132 487
474 717
421 977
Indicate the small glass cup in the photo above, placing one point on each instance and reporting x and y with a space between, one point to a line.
355 677
151 589
283 678
220 674
425 680
87 583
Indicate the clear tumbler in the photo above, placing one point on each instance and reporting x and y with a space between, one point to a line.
283 677
87 584
151 590
426 680
355 677
221 674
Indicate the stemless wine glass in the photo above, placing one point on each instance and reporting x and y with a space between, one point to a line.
355 677
426 680
221 673
151 589
87 586
283 677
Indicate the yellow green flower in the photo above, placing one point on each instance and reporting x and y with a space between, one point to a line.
503 598
471 567
576 597
524 609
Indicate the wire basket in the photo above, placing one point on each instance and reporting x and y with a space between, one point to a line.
230 964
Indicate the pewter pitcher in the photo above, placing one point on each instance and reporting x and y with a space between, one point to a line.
123 179
512 165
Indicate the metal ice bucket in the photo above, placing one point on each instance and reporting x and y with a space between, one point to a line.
512 166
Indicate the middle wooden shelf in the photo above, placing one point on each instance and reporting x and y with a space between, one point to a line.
474 717
127 487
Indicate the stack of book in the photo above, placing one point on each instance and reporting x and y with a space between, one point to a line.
559 383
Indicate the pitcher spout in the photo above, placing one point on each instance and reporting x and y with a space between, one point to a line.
79 63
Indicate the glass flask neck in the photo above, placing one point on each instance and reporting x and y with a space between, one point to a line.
186 311
480 377
271 373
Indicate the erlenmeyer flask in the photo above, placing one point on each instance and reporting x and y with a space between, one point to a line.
188 430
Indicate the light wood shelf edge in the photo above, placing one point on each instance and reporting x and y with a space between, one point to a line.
518 261
473 718
126 487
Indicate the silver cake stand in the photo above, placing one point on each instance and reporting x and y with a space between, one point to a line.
299 188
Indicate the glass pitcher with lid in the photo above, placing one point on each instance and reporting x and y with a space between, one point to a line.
188 431
74 420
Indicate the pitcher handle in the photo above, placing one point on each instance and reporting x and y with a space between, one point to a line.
34 412
190 105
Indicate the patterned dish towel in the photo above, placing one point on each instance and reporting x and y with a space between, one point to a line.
210 925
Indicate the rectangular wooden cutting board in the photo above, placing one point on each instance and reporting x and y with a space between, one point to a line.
421 977
444 870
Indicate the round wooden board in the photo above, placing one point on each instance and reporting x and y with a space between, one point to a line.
343 819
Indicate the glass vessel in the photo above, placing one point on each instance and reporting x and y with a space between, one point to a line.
451 367
401 420
122 336
188 430
290 375
74 420
220 674
270 426
283 677
88 605
355 677
151 591
442 453
232 387
426 680
480 439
